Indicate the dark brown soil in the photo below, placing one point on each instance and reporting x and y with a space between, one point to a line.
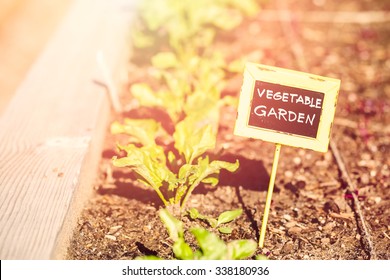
313 215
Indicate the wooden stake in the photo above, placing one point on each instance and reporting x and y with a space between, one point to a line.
269 195
111 88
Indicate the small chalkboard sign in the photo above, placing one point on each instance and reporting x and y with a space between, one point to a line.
287 107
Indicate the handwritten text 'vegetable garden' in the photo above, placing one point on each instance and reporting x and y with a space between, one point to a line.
287 115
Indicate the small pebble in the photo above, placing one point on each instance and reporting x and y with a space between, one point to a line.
331 206
111 237
294 231
226 146
287 217
290 224
288 174
147 228
366 156
322 220
297 160
114 229
288 247
325 241
328 156
329 226
301 184
365 179
308 156
358 236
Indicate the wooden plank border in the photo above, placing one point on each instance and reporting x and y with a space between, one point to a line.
51 133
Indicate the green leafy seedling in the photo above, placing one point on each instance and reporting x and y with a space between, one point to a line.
223 218
142 131
187 22
154 168
211 247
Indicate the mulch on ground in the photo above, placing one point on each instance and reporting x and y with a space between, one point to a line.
313 213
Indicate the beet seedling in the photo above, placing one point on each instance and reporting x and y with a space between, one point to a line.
140 131
211 247
188 86
223 218
173 182
186 22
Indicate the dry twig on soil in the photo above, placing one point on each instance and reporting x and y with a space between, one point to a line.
358 211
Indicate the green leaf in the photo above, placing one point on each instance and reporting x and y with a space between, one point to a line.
217 165
142 131
211 180
149 163
182 250
204 37
148 258
229 216
185 170
155 13
203 170
202 108
262 258
236 66
171 157
173 225
194 213
241 249
228 101
213 222
164 60
212 247
249 7
145 95
192 141
225 230
171 97
198 255
227 19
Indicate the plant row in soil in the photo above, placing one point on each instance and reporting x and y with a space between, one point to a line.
313 215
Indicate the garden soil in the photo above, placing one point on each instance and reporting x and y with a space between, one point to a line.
313 214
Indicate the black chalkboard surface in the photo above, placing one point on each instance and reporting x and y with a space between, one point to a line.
285 109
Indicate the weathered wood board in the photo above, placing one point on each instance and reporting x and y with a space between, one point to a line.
51 133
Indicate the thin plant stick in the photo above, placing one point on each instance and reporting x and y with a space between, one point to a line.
112 91
269 195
